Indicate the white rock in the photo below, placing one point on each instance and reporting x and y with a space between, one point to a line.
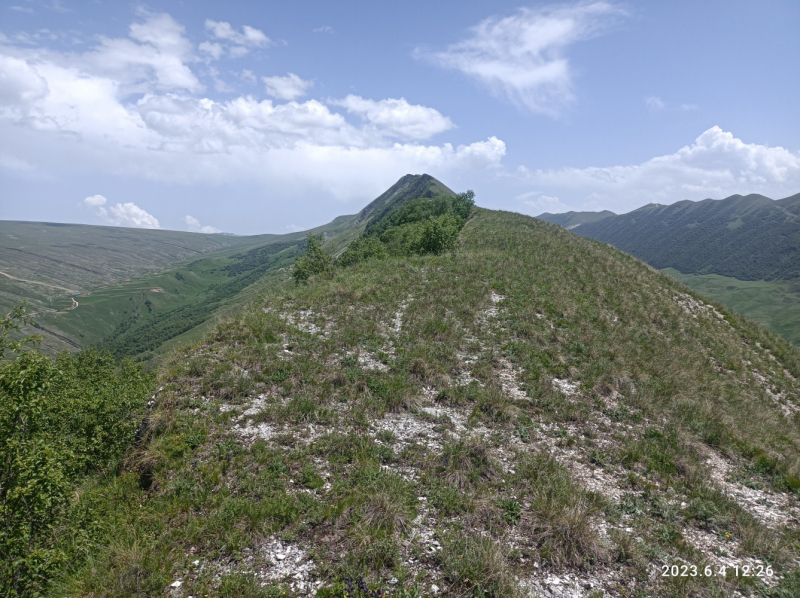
434 588
176 584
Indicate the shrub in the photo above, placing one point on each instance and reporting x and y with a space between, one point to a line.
60 419
362 250
315 260
437 234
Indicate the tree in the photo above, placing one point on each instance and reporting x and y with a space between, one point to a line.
315 260
463 204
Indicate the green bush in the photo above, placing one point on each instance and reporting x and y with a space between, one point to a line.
438 234
60 419
362 250
315 260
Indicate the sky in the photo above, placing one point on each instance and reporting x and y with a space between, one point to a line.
273 117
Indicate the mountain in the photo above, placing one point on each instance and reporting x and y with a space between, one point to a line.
570 220
741 251
139 292
533 413
746 237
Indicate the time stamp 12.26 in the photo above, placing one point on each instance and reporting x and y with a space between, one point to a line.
685 570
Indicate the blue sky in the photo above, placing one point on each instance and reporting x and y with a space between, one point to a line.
271 117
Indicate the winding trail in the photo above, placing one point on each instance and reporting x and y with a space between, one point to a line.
44 284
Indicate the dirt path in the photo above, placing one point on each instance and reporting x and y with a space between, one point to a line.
44 284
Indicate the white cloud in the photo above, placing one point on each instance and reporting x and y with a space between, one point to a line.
94 201
133 107
323 29
396 117
213 50
193 224
122 214
716 165
289 87
539 203
20 84
131 215
521 57
249 37
655 103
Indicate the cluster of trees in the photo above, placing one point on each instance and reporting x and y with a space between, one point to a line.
61 419
421 226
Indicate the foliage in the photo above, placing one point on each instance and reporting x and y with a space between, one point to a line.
316 259
60 419
438 234
362 250
463 203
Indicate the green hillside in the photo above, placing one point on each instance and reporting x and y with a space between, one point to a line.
140 292
745 237
740 251
570 220
531 413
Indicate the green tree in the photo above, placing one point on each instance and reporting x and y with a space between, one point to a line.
463 204
315 260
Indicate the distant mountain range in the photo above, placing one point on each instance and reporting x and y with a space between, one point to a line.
747 237
741 250
570 220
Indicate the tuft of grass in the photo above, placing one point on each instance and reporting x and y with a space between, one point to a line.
561 512
476 566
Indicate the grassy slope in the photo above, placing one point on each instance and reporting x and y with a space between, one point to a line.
773 304
534 404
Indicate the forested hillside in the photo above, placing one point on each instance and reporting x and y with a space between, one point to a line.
746 237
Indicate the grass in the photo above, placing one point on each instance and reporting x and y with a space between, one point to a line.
399 451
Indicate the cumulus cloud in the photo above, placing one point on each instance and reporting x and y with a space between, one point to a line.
94 201
396 117
129 214
193 225
19 82
122 214
289 87
655 103
521 57
133 107
154 58
243 41
716 165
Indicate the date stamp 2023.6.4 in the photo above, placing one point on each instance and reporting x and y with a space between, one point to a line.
686 570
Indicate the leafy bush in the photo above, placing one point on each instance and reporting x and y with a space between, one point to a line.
463 204
362 250
438 234
315 260
60 419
